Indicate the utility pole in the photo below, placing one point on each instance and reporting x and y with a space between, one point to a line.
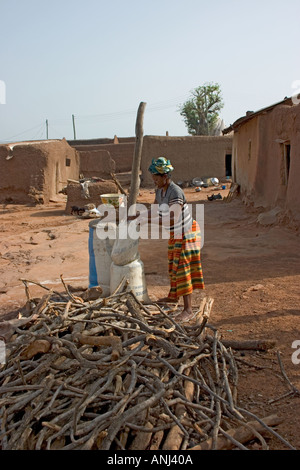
73 118
206 111
47 129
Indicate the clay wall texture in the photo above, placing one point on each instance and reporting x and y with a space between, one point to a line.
121 151
122 154
96 163
245 143
36 171
75 195
201 156
262 175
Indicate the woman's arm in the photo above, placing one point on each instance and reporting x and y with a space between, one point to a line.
143 215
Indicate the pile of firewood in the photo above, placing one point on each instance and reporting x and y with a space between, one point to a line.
114 374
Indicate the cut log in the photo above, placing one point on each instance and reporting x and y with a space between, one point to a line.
250 344
205 306
39 346
256 344
142 439
113 341
242 434
157 438
175 435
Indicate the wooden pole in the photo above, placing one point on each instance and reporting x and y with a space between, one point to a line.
47 129
206 111
135 180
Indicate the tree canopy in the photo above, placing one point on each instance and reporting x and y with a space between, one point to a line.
201 111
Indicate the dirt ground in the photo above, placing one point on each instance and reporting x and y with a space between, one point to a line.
251 270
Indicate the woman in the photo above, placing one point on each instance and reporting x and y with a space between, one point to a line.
184 263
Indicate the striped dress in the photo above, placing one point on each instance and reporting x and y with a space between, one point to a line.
184 261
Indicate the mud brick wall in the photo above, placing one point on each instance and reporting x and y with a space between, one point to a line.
121 153
75 195
201 156
96 163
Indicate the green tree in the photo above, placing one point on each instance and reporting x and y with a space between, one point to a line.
201 111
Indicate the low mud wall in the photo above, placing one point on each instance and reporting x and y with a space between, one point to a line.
121 151
75 193
201 156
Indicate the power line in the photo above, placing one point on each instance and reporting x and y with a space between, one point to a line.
116 115
52 128
39 133
101 118
21 133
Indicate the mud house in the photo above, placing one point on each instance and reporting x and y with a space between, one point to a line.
197 156
266 157
100 157
36 171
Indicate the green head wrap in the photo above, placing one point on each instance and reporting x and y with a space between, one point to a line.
160 166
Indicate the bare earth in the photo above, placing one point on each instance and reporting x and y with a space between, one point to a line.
252 272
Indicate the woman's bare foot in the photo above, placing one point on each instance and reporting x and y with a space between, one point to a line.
187 313
185 316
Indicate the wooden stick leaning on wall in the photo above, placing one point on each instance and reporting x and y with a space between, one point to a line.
135 181
118 184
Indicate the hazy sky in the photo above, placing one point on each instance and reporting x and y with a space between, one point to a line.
97 60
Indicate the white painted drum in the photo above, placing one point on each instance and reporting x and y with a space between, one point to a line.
102 236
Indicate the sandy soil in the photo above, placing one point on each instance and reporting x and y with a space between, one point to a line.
251 270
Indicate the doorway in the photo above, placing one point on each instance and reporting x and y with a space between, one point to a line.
228 164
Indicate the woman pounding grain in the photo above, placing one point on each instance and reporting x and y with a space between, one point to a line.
184 262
